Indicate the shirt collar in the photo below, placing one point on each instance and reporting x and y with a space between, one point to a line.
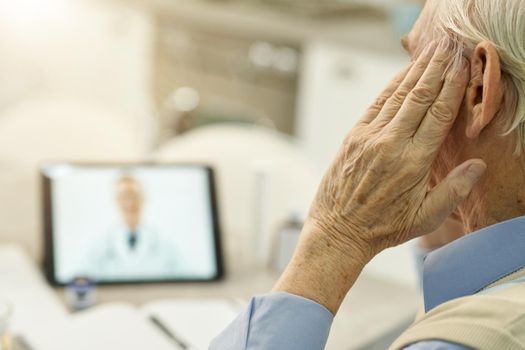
473 262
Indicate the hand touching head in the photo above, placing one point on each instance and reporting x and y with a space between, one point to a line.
490 34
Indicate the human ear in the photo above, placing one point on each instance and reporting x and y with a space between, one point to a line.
485 92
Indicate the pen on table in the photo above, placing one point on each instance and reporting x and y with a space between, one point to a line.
164 329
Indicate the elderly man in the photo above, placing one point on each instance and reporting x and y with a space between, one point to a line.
454 118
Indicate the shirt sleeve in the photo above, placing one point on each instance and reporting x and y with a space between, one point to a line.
436 345
277 321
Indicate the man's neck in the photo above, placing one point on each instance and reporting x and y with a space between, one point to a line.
500 196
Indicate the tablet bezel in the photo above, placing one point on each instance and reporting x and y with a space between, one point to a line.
47 210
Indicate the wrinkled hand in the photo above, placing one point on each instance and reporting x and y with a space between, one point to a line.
375 195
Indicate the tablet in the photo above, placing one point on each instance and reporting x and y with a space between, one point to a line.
130 223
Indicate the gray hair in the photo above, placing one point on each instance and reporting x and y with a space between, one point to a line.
501 22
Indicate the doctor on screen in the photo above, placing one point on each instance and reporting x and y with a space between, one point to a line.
130 250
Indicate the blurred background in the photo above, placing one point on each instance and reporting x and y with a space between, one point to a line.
261 90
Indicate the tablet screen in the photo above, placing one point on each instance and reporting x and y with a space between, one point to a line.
139 223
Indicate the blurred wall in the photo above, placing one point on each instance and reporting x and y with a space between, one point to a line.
95 51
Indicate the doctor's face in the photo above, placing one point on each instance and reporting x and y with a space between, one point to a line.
130 200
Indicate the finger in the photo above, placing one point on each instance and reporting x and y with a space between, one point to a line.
375 108
395 101
442 114
445 197
423 95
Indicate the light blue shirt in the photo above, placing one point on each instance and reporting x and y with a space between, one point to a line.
465 267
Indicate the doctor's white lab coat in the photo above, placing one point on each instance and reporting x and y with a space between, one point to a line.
110 257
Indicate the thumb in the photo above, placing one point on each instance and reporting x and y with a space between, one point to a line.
446 196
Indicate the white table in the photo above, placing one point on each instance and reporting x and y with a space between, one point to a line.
373 309
35 303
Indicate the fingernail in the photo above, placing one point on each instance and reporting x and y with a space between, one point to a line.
476 170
